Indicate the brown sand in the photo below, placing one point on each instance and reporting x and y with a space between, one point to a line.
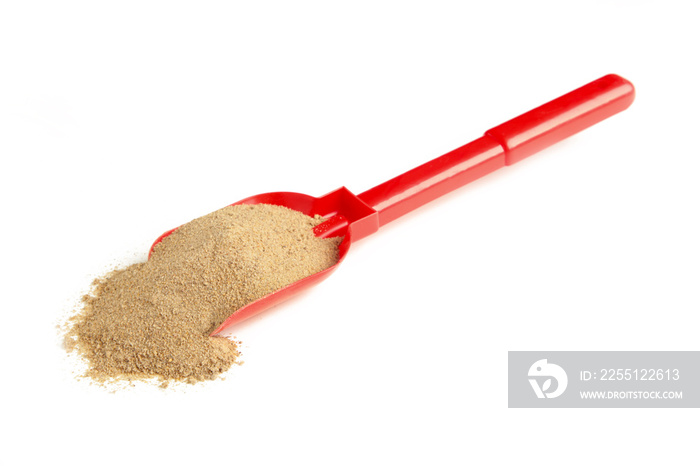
153 319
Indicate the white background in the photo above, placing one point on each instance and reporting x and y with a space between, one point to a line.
119 120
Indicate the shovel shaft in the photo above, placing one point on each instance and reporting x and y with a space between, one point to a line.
503 145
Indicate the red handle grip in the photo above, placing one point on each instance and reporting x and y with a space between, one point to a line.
557 120
503 145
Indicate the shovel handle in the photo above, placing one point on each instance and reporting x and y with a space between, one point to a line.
503 145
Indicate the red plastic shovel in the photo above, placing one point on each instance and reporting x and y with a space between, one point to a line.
357 216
